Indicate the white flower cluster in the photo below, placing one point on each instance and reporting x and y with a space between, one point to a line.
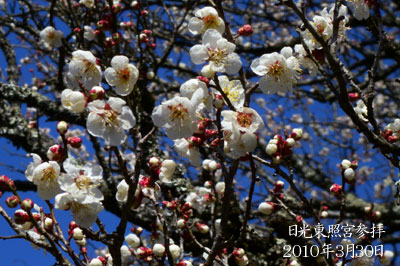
323 25
239 131
76 189
51 36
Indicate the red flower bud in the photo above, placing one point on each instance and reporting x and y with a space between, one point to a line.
246 30
12 201
6 183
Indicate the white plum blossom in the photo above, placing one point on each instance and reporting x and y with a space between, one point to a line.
83 67
81 181
189 88
206 18
361 110
360 9
45 176
51 36
218 52
197 199
239 128
244 119
187 150
304 60
83 214
279 71
238 143
122 75
323 25
73 100
178 115
110 120
233 90
88 33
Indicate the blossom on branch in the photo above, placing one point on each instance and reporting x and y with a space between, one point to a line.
83 214
81 181
178 115
323 25
206 18
279 71
51 36
45 176
110 120
122 75
218 52
83 67
233 90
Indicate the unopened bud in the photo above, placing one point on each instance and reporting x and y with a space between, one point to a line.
218 101
96 93
336 189
345 164
12 201
48 224
27 204
77 233
349 174
324 214
135 5
203 228
154 162
6 183
245 30
266 208
158 250
21 216
181 223
55 153
62 127
75 142
297 133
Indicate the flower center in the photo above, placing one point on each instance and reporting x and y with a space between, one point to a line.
49 174
110 117
83 182
178 111
244 120
216 55
125 74
276 69
211 21
231 92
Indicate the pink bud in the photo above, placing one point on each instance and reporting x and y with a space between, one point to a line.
353 96
27 204
6 183
203 79
336 189
75 142
12 201
246 30
21 216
